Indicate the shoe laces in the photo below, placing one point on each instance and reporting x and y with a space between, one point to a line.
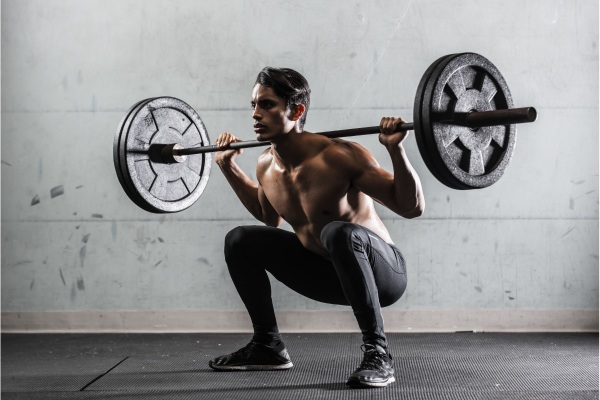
244 350
372 359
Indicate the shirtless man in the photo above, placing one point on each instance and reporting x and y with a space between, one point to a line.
340 251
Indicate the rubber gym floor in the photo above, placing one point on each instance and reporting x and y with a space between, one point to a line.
175 366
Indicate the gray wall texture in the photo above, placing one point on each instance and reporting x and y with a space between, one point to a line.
74 244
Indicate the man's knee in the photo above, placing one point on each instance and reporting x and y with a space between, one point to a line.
338 233
236 240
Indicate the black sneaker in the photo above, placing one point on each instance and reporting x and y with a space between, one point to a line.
376 369
253 357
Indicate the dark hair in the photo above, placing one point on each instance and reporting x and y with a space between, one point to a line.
289 85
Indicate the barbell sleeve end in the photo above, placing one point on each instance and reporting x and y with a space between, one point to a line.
532 113
507 116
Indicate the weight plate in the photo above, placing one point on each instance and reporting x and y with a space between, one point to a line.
467 158
119 150
425 147
127 184
437 166
152 184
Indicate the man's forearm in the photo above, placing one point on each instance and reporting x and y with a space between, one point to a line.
244 187
407 185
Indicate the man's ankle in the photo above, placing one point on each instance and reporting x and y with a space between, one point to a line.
380 347
268 341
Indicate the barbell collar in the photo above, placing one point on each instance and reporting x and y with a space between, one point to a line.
501 117
480 119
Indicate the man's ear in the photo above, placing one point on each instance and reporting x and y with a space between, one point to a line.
297 111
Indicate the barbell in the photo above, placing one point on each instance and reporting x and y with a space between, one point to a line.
464 123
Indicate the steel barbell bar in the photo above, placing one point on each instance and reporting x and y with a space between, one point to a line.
174 152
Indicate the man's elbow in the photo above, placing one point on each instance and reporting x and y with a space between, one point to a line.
415 212
274 222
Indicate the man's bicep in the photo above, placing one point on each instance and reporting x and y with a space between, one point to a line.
375 182
368 176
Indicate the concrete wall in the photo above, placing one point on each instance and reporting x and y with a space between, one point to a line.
77 254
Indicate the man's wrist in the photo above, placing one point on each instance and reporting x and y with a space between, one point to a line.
393 148
224 162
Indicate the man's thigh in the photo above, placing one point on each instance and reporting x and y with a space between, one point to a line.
282 254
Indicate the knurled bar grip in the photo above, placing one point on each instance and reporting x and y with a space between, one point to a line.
475 119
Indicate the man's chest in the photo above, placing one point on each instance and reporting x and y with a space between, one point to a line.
309 190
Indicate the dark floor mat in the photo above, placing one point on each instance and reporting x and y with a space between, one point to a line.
52 374
428 366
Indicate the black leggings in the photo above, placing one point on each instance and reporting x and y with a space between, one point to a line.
365 272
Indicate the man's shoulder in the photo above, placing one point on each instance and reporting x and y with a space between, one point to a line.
344 150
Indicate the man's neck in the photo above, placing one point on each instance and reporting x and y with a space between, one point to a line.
294 148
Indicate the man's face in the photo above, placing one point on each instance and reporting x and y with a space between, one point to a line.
270 113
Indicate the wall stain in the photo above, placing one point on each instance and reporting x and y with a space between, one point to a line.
57 191
82 253
100 216
478 289
569 231
85 238
80 283
21 263
203 260
62 278
40 170
73 292
35 200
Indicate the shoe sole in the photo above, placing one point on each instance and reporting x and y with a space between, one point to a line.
361 384
251 367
